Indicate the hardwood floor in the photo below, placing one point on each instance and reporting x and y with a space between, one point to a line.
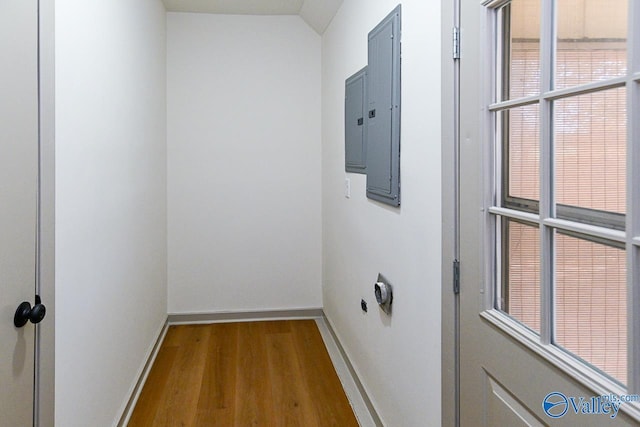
275 373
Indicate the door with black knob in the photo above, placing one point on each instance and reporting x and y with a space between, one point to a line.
18 209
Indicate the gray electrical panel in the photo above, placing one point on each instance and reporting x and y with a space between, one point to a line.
355 147
383 111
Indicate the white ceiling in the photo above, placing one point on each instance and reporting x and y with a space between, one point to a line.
317 13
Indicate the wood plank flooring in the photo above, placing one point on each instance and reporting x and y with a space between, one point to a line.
275 373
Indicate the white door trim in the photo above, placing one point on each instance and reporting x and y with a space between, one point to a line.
450 248
44 408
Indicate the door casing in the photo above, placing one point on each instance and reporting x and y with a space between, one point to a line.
450 301
45 356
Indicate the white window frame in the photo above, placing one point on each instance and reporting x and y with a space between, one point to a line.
546 220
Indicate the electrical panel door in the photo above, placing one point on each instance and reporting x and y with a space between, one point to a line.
355 147
383 111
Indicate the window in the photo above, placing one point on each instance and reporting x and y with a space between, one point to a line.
565 103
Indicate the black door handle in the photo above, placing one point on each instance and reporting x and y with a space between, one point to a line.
26 313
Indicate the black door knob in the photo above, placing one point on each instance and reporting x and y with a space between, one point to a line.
25 313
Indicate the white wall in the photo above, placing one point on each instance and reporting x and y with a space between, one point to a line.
243 130
110 202
397 358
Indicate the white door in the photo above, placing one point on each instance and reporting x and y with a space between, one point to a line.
550 213
18 192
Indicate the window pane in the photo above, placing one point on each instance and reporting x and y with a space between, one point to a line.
591 41
590 150
521 273
520 49
590 303
521 127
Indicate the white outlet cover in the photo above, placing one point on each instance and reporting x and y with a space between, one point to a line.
347 188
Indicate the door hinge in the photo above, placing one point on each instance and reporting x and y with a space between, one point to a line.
456 276
456 43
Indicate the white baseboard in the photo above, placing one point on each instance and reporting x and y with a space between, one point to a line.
362 405
244 316
142 376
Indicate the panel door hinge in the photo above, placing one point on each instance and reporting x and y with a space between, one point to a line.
456 43
456 276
